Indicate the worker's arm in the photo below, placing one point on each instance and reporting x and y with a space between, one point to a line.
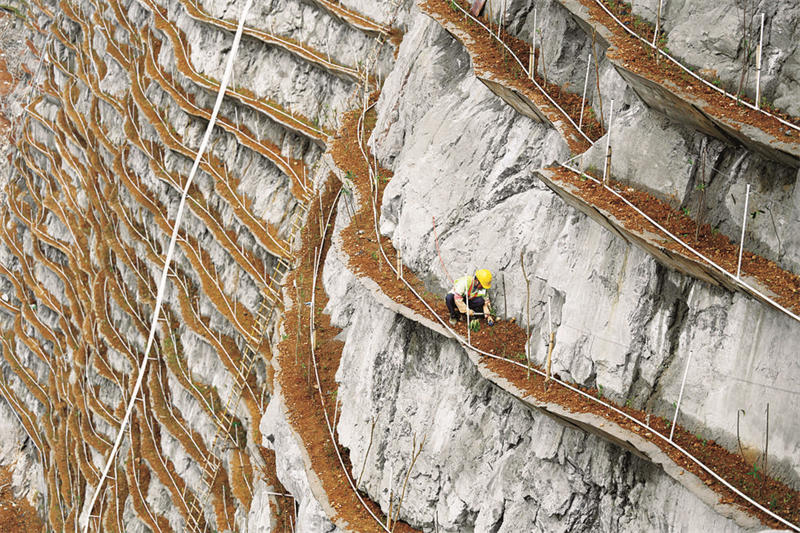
487 311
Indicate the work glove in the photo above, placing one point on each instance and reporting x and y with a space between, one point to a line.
490 321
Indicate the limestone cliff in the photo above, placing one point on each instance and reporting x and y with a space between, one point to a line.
122 92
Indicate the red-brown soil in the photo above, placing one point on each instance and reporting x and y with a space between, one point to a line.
6 84
507 339
16 514
641 59
298 381
490 56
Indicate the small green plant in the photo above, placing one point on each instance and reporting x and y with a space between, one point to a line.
599 391
753 472
474 325
772 501
374 255
686 211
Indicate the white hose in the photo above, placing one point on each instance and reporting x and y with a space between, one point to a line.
170 251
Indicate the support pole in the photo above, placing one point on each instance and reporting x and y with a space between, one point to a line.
552 339
744 225
658 23
608 144
533 46
680 396
466 299
758 63
585 85
530 63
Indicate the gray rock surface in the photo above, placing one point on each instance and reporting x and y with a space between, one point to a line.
488 463
622 322
710 37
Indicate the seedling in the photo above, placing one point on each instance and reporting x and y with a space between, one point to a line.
474 325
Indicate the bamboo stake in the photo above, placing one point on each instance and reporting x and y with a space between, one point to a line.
680 396
607 166
655 33
528 309
744 224
533 45
585 85
758 63
597 78
469 337
552 339
530 63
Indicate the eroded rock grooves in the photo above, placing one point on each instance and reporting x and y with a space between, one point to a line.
230 432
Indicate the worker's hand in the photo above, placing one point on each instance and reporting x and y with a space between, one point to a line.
490 321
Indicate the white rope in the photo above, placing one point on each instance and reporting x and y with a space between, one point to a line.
170 251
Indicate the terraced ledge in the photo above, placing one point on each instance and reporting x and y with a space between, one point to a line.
736 125
639 232
296 123
562 399
592 423
353 18
314 482
312 56
520 93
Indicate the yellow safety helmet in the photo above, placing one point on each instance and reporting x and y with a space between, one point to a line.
485 277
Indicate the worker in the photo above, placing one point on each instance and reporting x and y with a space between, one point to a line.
472 288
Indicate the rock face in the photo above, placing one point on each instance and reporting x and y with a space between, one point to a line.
489 463
104 150
715 37
622 321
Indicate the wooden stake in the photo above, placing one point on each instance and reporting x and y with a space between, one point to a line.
744 225
505 301
597 78
766 451
758 63
528 309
